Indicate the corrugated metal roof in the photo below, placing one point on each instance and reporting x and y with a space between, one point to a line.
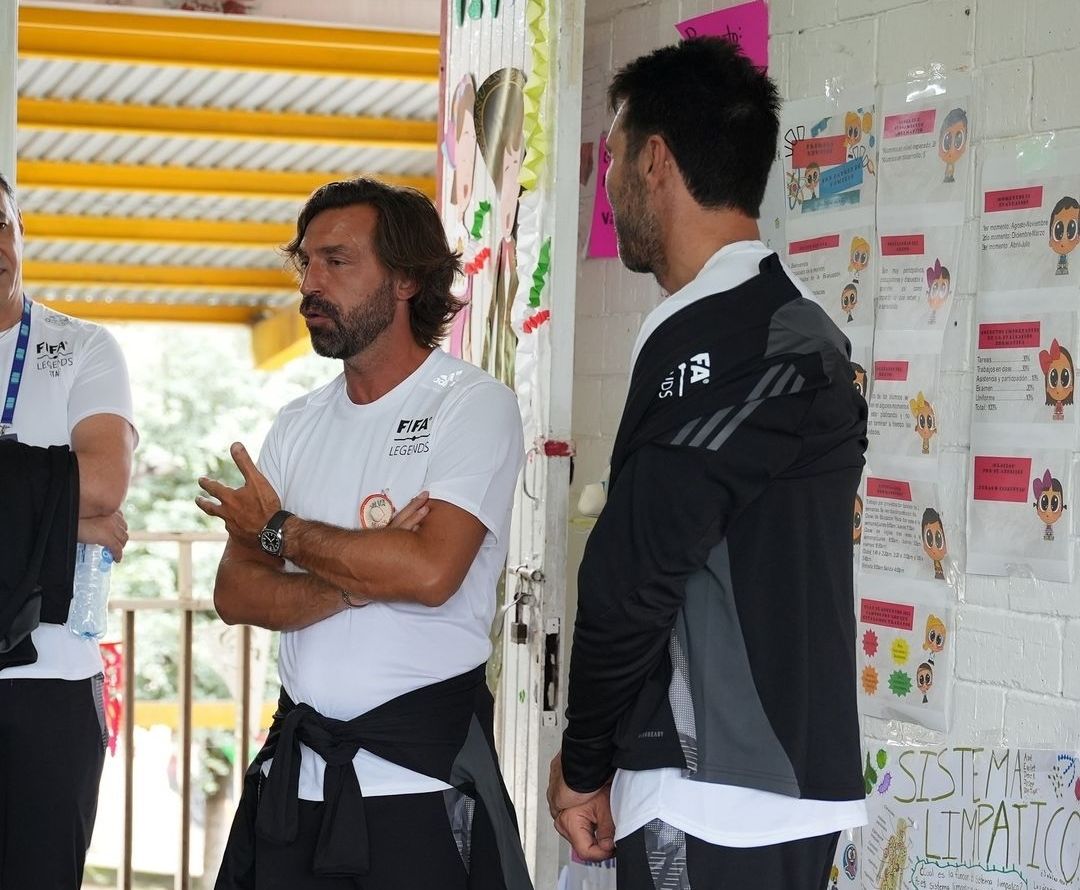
64 148
241 90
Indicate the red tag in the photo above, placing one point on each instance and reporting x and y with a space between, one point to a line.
811 244
903 245
1010 335
828 151
914 123
898 615
1013 199
1002 479
895 370
892 489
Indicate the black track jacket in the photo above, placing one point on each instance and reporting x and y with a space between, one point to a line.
716 625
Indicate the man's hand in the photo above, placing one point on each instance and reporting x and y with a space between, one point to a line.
412 514
109 531
247 509
589 827
562 797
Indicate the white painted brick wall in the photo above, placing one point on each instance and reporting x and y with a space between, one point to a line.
1017 642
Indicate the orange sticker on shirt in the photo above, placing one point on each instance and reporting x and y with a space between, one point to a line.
376 510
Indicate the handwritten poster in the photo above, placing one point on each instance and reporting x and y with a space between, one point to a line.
969 818
746 24
602 240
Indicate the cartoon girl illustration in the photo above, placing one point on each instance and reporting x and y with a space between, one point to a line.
924 679
849 299
1049 502
952 141
813 179
938 286
925 420
856 125
1058 377
1064 231
500 118
935 637
459 145
859 378
860 257
933 541
856 528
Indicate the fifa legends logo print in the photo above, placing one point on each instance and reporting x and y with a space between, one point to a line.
686 374
411 436
51 357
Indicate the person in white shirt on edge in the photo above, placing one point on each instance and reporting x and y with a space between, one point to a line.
712 734
372 534
64 382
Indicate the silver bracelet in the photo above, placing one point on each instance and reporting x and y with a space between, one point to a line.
348 601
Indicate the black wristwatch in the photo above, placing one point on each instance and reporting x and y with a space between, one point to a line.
271 538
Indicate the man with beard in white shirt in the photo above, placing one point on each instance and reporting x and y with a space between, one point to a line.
372 534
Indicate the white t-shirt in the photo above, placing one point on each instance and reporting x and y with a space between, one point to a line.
449 429
74 369
725 815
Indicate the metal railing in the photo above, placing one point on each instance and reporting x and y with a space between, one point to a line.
187 605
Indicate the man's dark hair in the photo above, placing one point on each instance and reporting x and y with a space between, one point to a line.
409 239
6 188
717 112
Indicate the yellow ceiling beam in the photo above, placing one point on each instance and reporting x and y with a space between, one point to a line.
129 310
279 338
260 184
174 232
233 42
216 123
190 278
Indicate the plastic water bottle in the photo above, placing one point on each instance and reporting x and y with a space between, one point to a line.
88 615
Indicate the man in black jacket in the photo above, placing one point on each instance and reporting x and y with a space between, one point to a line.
711 728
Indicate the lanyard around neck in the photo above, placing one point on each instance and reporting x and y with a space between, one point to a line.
15 378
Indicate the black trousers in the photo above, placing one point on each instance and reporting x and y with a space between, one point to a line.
660 857
52 749
412 845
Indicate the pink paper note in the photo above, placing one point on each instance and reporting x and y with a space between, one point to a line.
602 242
747 25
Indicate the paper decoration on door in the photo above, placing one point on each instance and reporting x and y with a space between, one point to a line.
746 25
602 240
500 118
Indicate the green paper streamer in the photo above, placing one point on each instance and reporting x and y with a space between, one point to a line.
494 9
543 266
476 9
459 11
482 210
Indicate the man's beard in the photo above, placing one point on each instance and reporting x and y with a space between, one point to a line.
353 332
637 229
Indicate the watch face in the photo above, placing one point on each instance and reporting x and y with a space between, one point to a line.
270 540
